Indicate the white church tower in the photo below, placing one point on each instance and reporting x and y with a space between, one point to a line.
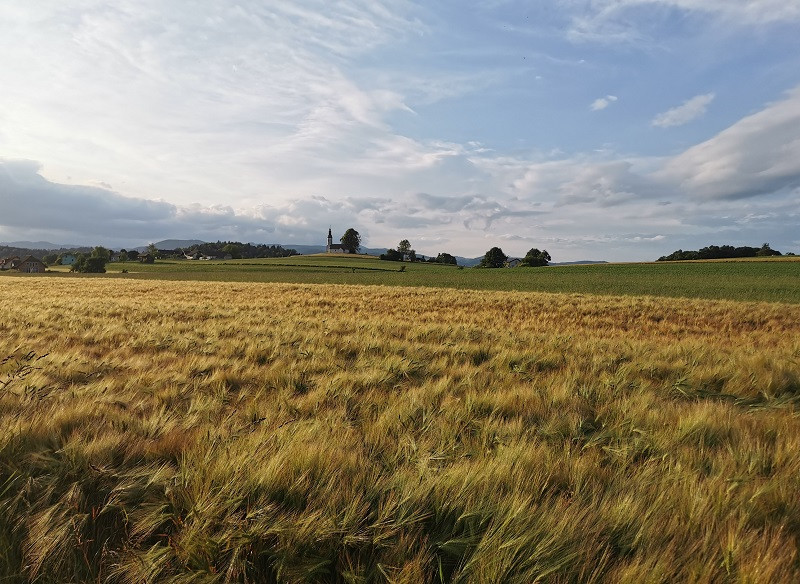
333 247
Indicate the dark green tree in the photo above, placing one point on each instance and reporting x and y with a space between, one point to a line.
404 247
535 258
101 252
445 258
233 249
351 240
494 258
766 250
90 264
392 255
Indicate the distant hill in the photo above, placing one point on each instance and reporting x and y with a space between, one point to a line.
309 249
7 251
38 245
303 249
171 244
178 243
468 262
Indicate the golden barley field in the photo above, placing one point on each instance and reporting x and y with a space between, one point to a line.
243 432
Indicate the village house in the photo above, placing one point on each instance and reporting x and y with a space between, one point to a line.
32 265
9 263
68 259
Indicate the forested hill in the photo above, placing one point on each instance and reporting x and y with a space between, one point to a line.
7 251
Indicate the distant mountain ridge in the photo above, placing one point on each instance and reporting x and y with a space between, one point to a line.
309 249
38 245
172 244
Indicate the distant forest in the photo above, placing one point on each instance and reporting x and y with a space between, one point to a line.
238 250
220 249
719 252
23 252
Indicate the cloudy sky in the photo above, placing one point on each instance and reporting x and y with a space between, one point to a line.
596 129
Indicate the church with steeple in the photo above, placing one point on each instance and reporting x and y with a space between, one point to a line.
333 247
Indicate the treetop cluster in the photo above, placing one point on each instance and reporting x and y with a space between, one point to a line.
719 252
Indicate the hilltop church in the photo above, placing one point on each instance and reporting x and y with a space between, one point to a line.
333 247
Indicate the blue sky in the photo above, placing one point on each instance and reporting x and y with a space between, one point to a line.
596 129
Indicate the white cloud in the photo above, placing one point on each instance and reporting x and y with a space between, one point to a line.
602 103
88 214
690 110
758 155
743 12
268 121
215 95
590 180
579 208
623 21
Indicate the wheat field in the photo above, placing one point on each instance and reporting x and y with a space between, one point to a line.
243 432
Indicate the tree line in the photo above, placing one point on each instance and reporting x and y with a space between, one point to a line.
47 256
495 258
96 260
404 252
719 252
238 250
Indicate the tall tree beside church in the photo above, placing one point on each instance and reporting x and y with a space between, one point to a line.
351 240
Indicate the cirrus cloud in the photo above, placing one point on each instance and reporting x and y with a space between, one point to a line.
690 110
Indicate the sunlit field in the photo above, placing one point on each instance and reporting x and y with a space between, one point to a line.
769 280
195 431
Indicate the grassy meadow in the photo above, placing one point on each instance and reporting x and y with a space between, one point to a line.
194 431
768 280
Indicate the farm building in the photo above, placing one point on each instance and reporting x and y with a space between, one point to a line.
9 263
30 265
